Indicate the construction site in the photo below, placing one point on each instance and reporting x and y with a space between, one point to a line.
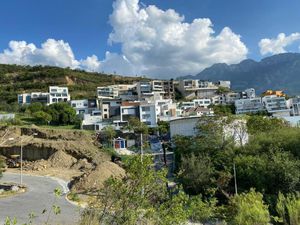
72 155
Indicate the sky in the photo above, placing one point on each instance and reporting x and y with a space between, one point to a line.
161 39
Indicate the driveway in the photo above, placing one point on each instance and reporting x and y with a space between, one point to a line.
38 197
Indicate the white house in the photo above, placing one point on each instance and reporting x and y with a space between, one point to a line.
203 102
185 126
248 105
58 94
277 106
84 106
107 92
148 114
294 105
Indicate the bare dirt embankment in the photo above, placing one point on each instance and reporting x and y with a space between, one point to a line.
67 154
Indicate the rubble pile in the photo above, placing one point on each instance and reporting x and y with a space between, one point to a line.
94 179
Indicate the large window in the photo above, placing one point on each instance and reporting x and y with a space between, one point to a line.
146 116
146 108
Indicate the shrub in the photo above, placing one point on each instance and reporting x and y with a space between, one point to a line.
248 209
42 117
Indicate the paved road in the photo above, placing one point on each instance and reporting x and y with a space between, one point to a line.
38 197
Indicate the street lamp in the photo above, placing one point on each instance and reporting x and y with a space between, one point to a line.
21 156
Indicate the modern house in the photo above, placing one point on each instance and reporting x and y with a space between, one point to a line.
277 106
58 94
204 102
85 106
248 105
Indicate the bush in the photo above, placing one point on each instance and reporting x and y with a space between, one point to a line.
202 211
34 107
248 209
62 114
42 117
288 208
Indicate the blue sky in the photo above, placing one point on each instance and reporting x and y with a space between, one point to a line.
86 27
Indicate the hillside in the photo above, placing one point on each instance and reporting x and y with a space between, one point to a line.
280 72
19 79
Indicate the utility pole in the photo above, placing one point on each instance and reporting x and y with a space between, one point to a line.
142 152
235 182
21 166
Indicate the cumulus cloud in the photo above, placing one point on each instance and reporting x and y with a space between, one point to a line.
154 42
59 53
277 45
52 52
91 64
160 43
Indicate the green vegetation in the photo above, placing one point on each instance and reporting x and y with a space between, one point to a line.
249 209
288 209
223 90
109 133
58 114
223 110
142 197
16 79
269 162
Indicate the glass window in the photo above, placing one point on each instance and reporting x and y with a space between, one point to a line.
146 109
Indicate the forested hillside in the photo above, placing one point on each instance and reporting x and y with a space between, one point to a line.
16 79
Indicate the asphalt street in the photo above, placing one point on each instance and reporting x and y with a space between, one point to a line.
38 197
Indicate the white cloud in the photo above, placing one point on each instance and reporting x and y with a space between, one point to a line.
160 43
154 42
59 53
277 45
91 64
52 52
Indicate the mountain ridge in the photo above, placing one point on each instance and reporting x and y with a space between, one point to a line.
280 72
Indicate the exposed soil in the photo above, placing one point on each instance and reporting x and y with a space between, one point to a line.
95 179
67 154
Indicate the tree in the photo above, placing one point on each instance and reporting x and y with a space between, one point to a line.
223 110
248 209
196 174
258 124
62 113
42 117
34 107
163 127
141 197
203 211
223 90
137 126
110 133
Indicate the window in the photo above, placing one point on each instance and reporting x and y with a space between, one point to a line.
105 110
146 116
146 109
73 105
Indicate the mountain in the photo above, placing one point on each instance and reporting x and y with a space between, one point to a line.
16 79
280 72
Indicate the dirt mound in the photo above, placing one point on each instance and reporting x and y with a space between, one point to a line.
82 164
94 180
38 165
61 159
